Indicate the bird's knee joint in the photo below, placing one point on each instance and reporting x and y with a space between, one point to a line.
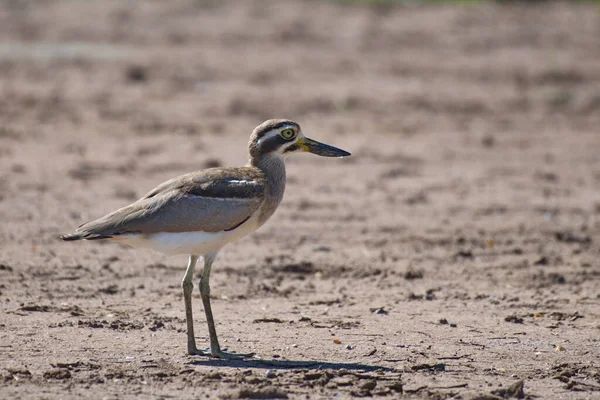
187 286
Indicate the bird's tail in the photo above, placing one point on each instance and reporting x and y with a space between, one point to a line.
84 235
72 236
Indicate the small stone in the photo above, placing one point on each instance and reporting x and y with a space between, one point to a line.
271 374
323 249
369 385
369 354
136 73
396 387
488 141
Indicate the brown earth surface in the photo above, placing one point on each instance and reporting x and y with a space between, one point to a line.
453 255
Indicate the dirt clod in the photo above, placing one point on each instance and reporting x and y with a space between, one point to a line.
136 74
514 391
60 373
429 367
514 319
261 394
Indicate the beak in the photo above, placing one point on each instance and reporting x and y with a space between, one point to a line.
320 149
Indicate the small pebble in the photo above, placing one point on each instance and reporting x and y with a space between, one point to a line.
271 374
349 347
323 249
136 73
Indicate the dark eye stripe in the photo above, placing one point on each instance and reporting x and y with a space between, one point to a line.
272 144
293 147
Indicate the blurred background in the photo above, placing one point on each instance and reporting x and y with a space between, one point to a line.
466 119
451 108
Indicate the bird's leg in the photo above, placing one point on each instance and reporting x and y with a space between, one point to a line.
205 295
188 287
215 349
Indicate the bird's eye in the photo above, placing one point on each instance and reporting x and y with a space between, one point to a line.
287 134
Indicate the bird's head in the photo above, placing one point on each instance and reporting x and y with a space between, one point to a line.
282 137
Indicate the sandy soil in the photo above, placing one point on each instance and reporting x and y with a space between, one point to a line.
455 253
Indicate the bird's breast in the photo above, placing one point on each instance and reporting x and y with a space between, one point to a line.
199 242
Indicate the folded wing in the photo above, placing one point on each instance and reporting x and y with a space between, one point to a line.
212 200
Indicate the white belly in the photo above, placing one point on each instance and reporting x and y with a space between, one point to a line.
198 243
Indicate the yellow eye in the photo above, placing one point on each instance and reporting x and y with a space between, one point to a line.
287 134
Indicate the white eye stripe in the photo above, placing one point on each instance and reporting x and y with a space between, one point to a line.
275 132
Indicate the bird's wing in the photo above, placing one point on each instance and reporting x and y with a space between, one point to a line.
212 200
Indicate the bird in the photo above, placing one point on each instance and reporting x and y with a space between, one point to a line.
198 213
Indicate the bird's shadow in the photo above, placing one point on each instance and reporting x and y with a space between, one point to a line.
286 364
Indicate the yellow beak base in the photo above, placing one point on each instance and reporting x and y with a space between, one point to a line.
320 149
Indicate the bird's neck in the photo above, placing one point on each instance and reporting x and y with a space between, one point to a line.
273 166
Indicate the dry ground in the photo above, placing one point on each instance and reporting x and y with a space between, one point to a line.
454 254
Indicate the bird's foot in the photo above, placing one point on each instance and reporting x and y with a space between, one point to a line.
221 354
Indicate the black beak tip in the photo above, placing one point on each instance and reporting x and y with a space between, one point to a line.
334 152
325 150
